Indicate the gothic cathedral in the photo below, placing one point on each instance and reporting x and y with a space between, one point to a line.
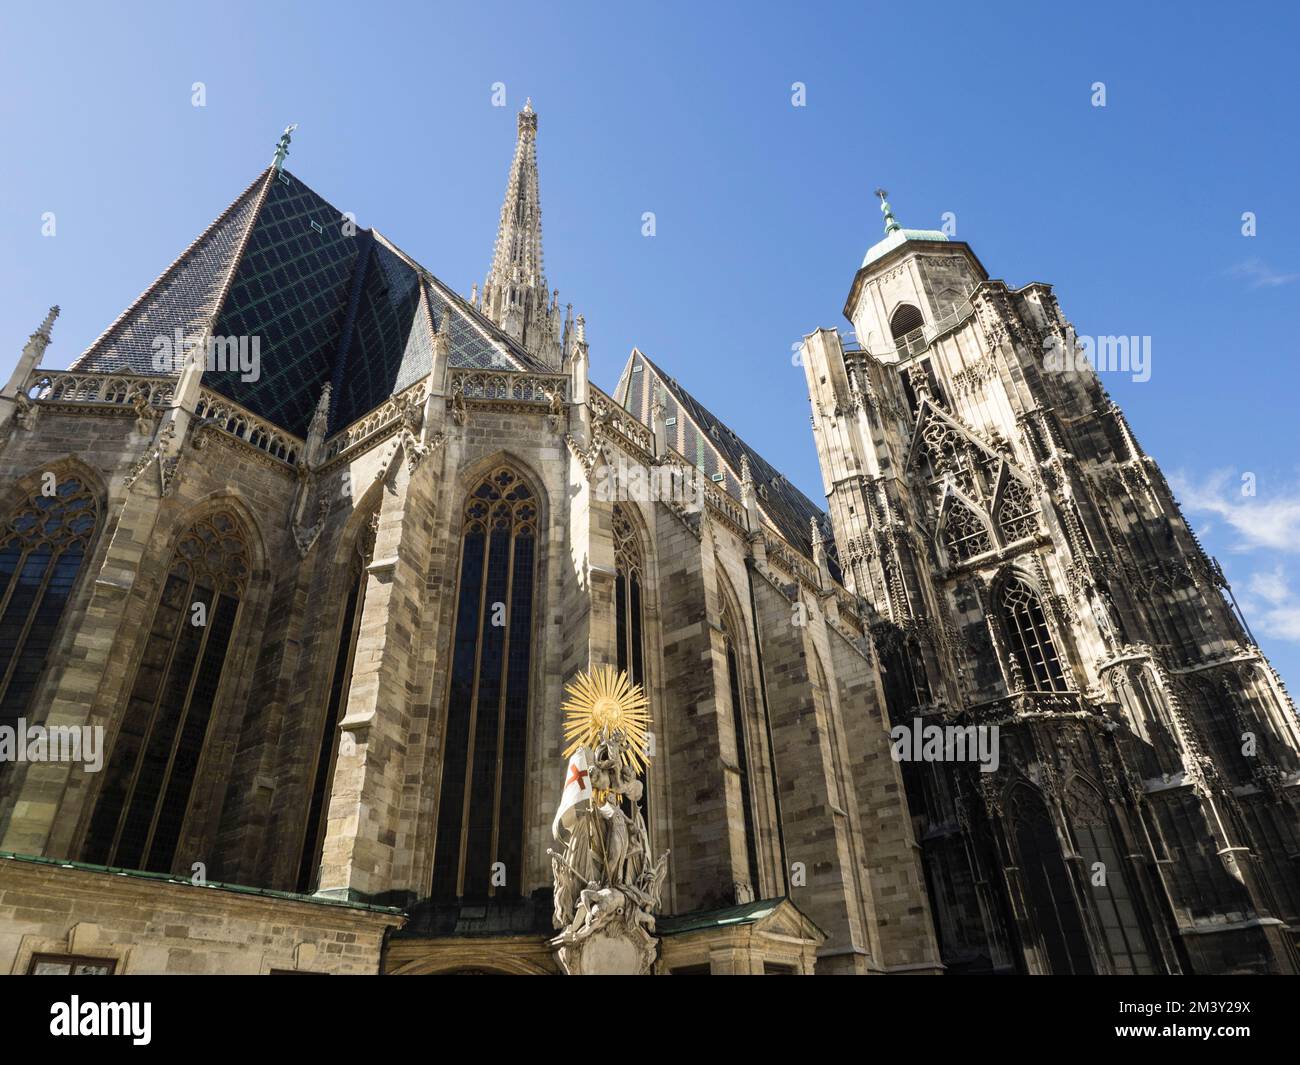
297 558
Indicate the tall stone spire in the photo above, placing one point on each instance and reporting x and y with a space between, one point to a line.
515 295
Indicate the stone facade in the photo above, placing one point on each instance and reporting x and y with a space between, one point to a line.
148 925
1149 754
772 643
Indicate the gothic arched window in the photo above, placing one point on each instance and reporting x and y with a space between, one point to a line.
150 775
739 714
906 319
949 453
1017 511
1057 929
480 802
341 679
42 545
627 593
1031 641
1111 898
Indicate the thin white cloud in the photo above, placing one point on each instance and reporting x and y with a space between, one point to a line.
1269 519
1258 274
1274 605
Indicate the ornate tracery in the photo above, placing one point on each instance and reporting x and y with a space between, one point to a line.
628 592
1032 646
1017 511
1103 865
964 533
42 546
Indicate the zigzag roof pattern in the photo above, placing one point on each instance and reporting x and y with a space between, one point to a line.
328 301
332 302
706 440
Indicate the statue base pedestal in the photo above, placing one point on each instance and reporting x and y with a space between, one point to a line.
616 949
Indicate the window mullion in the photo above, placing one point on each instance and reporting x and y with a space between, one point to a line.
181 718
473 710
31 616
128 797
501 703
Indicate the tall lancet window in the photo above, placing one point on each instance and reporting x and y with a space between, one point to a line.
1114 903
480 803
1031 640
627 561
628 587
340 680
151 770
42 545
739 718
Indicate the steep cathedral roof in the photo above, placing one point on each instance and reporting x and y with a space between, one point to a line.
330 301
703 438
335 303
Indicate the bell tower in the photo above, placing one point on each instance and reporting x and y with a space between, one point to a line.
909 280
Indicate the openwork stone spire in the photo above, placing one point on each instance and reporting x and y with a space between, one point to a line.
515 295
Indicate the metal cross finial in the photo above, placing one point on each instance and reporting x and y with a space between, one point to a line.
891 223
282 146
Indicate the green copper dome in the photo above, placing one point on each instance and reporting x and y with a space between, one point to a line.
896 234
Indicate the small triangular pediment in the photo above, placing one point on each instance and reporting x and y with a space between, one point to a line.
786 919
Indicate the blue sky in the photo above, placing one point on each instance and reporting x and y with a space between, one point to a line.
763 210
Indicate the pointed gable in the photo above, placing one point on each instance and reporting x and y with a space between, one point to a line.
327 301
292 290
184 297
705 440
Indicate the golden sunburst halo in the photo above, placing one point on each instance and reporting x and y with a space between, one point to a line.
606 700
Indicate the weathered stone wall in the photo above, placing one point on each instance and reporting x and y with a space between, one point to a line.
154 926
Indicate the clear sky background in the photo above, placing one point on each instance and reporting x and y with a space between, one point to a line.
763 210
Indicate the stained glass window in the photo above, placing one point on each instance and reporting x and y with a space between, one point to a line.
42 545
480 802
151 770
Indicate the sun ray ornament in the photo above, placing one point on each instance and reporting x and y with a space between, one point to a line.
607 882
604 704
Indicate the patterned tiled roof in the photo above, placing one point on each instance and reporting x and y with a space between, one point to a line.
707 441
184 297
328 302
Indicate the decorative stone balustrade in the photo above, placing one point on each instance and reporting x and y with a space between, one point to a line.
111 390
230 418
508 386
